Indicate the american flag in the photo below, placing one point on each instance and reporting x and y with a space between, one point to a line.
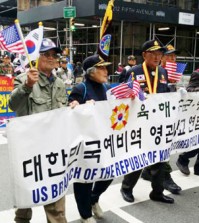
126 90
175 70
10 40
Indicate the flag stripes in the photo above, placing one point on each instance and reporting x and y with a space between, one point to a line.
10 40
126 90
175 70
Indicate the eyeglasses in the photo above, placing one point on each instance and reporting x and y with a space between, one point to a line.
47 55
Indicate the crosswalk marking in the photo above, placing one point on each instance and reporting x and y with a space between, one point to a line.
124 215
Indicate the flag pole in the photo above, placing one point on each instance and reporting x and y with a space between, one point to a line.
23 41
105 36
37 60
108 16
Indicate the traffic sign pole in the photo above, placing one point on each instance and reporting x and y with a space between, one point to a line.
68 13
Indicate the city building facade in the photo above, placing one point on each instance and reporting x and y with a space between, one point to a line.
134 22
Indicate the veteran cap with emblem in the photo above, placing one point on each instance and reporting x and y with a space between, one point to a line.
152 45
171 49
94 61
48 44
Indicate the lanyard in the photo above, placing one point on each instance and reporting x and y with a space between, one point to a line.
155 81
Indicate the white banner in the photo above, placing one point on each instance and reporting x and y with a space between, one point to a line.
50 150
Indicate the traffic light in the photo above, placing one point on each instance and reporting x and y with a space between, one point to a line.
72 24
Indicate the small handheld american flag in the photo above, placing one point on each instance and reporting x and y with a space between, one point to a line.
175 70
126 90
10 40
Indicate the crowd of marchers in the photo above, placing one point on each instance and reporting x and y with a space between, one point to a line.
47 80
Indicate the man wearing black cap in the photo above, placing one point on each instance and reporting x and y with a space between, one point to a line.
153 79
38 91
124 74
92 89
169 184
169 56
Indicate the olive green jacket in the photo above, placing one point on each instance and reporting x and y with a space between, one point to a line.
44 96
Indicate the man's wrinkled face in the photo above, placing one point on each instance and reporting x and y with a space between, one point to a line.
152 58
170 57
48 61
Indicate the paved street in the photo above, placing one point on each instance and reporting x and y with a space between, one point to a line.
184 210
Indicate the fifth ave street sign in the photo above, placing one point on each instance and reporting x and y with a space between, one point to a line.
69 12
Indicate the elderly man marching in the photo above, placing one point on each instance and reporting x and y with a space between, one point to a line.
36 91
153 79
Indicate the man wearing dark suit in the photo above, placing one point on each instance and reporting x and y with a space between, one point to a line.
153 79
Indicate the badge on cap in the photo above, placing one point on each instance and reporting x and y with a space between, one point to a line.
47 43
170 47
156 43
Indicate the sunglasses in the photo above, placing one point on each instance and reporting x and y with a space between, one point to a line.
48 55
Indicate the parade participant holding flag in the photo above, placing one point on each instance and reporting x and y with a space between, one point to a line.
153 79
36 91
174 69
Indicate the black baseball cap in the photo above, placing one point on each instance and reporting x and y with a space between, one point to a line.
171 49
131 57
94 61
152 45
48 44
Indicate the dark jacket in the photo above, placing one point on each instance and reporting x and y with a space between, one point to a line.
124 75
137 73
78 71
89 90
193 85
